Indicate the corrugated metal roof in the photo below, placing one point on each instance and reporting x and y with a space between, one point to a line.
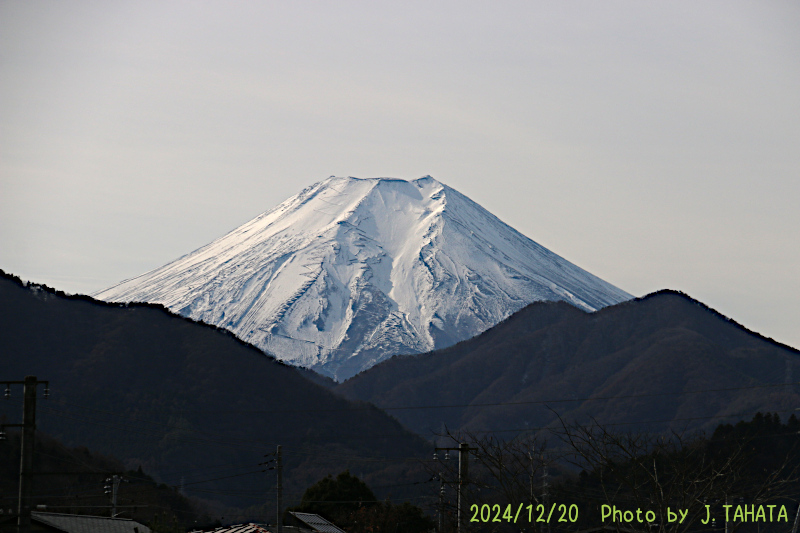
71 523
253 528
289 529
241 528
317 523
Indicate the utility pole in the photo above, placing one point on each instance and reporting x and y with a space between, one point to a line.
463 479
796 518
726 514
113 489
28 437
279 467
545 495
441 503
26 458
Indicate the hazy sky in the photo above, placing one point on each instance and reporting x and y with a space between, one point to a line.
655 144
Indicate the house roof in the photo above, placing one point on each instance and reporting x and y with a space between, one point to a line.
71 523
255 528
308 523
316 522
242 528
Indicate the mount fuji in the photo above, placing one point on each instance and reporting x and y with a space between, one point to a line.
350 272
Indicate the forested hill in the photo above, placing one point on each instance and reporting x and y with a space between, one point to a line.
183 398
665 360
79 487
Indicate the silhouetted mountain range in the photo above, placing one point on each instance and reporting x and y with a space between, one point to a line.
193 404
187 401
665 360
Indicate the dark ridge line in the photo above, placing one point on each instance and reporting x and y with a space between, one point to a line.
83 297
441 351
540 303
713 311
31 286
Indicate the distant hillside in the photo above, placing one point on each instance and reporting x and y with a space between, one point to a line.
80 489
642 361
189 402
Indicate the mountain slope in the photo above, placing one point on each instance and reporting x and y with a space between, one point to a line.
352 271
143 498
642 362
184 399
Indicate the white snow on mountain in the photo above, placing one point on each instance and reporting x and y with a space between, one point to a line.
350 272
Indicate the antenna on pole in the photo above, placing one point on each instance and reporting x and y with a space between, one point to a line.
112 488
279 467
28 436
463 480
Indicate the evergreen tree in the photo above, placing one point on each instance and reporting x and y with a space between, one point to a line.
336 499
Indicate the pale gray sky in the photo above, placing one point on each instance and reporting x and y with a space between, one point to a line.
655 144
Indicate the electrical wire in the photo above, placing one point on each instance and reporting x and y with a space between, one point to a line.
372 407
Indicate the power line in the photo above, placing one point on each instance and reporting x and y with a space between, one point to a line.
229 440
371 407
146 426
361 458
565 400
226 442
613 424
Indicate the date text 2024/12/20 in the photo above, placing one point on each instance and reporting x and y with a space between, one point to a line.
539 513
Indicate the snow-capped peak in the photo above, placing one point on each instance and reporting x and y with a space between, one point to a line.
352 271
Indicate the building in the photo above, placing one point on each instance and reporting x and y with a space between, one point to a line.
42 522
296 523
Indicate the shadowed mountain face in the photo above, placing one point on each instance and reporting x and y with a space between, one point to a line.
79 487
642 361
185 400
350 272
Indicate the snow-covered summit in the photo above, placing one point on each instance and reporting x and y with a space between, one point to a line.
352 271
